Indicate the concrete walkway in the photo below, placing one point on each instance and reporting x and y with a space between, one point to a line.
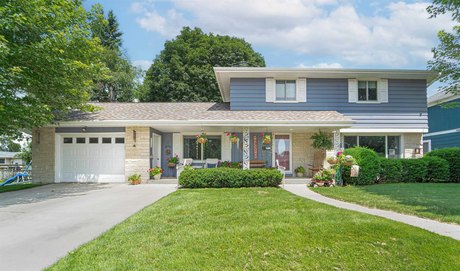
445 229
40 225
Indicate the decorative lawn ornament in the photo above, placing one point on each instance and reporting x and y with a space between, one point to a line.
354 171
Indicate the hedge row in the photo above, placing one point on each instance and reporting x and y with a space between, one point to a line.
452 156
374 169
229 177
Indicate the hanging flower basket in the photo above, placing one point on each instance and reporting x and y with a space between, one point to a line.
173 161
234 139
201 139
266 139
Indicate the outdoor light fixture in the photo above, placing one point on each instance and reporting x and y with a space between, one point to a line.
83 129
134 137
418 150
37 134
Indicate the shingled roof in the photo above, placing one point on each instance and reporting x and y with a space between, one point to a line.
198 111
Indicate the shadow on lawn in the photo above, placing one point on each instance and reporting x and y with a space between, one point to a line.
47 192
435 198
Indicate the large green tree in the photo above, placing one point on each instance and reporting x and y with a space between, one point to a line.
183 71
48 60
121 80
446 56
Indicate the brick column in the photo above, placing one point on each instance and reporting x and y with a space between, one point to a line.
137 148
43 155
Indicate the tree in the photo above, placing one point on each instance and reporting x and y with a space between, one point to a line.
446 56
48 59
26 153
121 78
7 144
183 71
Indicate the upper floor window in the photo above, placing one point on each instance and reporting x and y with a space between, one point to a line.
285 90
367 90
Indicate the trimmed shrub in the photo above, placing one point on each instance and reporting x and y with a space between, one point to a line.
452 156
437 169
369 163
414 170
390 170
229 177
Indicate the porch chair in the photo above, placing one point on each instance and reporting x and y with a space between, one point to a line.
211 163
180 167
282 170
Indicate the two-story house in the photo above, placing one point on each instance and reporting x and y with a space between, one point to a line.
443 121
385 110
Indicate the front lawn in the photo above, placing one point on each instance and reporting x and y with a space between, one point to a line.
15 187
440 201
259 229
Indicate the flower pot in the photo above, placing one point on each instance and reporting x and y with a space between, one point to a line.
157 177
201 140
135 182
348 164
299 174
171 165
332 160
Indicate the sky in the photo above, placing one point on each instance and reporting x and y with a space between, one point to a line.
290 33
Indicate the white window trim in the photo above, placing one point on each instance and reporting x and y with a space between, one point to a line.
367 91
401 142
286 101
429 144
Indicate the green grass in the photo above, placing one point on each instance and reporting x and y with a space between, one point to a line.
439 201
259 229
15 187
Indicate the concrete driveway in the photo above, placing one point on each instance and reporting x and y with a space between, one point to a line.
40 225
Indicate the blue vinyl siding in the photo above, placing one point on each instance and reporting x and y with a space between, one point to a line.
440 119
406 107
444 141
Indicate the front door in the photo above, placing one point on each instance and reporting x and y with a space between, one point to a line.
283 150
156 150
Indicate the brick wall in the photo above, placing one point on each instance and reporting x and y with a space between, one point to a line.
43 155
137 159
411 142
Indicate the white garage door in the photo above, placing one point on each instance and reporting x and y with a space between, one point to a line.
92 158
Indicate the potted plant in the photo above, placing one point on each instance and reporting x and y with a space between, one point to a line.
234 138
202 138
332 160
324 177
173 161
300 171
156 172
266 139
322 141
134 179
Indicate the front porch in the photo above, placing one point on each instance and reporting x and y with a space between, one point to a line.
290 146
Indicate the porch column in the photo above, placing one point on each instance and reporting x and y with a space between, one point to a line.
337 143
246 156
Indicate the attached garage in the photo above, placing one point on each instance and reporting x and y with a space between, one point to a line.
90 157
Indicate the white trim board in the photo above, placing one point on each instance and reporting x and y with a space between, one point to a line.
457 130
386 130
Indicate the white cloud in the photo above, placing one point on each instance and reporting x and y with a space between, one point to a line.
400 35
322 65
143 64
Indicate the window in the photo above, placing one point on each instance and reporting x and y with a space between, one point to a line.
68 140
119 140
93 140
81 140
211 149
385 146
367 90
106 140
285 90
2 161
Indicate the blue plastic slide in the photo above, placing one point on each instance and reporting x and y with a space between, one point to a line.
19 177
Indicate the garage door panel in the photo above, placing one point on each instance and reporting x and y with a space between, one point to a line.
90 162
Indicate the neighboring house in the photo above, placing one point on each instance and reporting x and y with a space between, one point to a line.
385 110
9 158
443 122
